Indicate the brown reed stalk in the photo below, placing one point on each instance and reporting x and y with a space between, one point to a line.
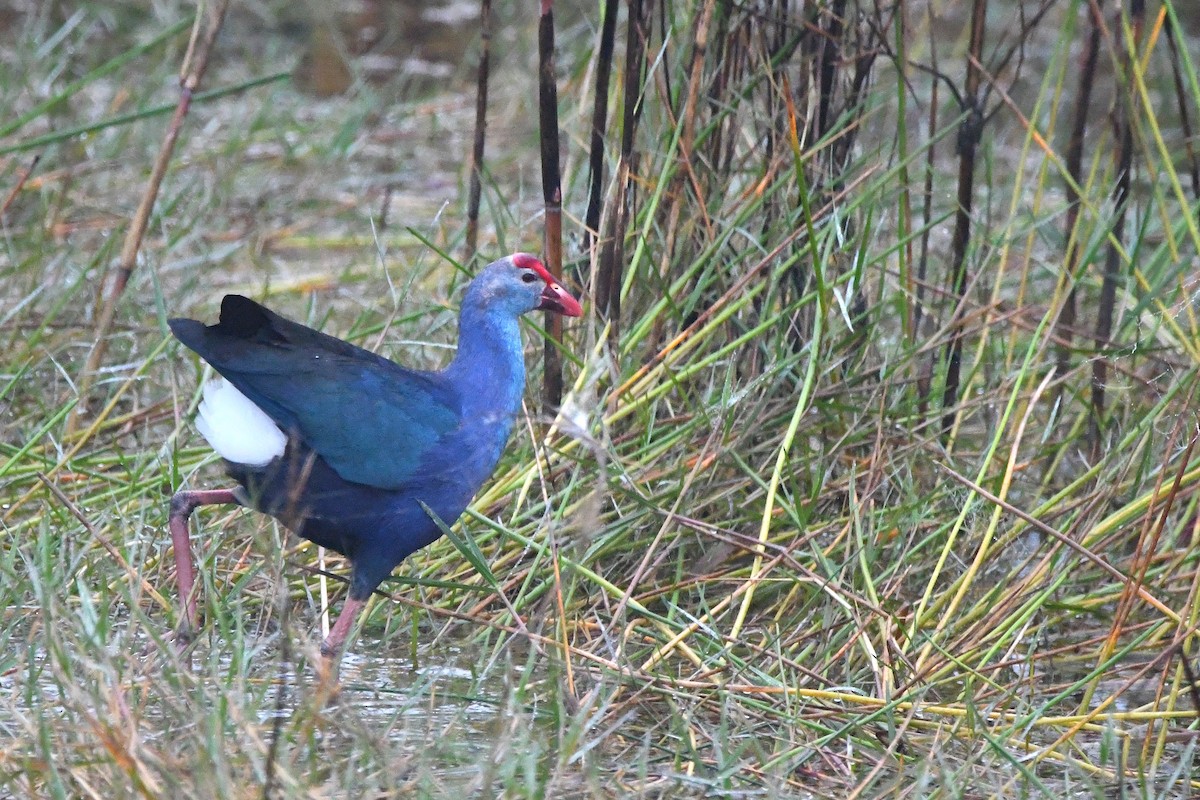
1181 99
925 366
688 114
22 179
1122 120
552 381
609 268
729 58
604 62
1146 548
194 66
969 133
475 190
1074 165
904 179
865 52
829 59
685 175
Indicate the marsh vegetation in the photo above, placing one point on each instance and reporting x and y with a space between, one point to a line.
874 472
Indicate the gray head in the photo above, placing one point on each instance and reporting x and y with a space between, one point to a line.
520 283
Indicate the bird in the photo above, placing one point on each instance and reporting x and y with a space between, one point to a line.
348 449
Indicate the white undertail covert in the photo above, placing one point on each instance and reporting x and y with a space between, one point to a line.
237 429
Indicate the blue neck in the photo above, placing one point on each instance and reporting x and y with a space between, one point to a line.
489 369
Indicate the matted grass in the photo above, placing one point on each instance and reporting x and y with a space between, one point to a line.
769 547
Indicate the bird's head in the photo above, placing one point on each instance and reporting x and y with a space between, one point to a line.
520 283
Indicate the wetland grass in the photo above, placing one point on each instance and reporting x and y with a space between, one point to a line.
874 471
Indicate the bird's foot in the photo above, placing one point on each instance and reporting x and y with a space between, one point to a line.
183 637
335 642
327 669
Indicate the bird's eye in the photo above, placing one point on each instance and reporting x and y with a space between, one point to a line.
528 277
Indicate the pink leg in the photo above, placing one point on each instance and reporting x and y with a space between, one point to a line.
332 646
182 506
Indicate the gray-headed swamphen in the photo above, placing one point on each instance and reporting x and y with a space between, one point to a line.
348 449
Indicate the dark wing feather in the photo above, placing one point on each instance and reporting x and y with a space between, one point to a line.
374 422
